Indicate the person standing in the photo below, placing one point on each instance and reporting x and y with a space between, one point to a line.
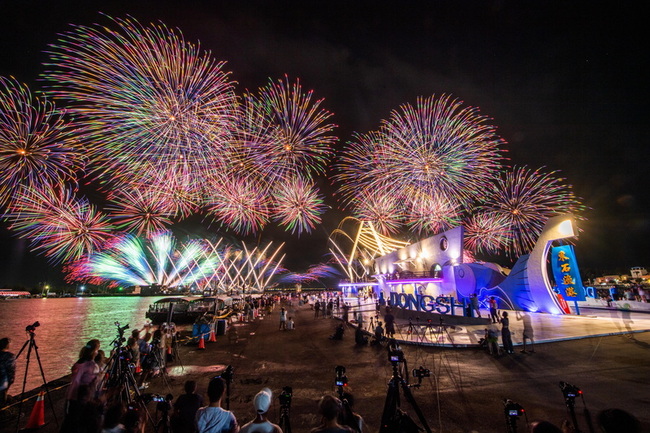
212 418
506 337
7 369
261 424
283 319
473 299
494 314
316 308
185 409
389 320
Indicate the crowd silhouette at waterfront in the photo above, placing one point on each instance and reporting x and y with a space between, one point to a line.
92 406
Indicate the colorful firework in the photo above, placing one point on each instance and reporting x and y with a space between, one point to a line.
486 232
155 260
295 138
63 227
37 146
146 98
139 212
297 205
245 270
526 199
431 214
315 273
437 149
239 202
384 211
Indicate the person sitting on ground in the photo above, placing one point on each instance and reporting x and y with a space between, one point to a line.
329 408
379 334
212 418
360 337
261 423
338 333
185 409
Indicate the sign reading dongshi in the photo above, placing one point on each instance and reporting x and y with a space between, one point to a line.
430 304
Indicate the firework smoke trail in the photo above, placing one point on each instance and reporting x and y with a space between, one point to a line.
437 149
139 211
297 205
37 146
61 226
146 98
527 198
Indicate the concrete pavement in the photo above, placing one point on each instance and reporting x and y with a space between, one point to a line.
546 328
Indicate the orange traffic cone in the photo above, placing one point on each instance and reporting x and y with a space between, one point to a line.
37 418
213 336
201 342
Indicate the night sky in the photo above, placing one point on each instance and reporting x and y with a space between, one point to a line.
565 83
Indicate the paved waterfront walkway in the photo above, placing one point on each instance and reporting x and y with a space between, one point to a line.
546 328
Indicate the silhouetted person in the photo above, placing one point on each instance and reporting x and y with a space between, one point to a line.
329 408
618 421
185 409
506 337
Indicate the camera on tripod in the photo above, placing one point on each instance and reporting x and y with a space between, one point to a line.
512 409
570 392
395 354
120 334
228 374
32 327
285 396
341 379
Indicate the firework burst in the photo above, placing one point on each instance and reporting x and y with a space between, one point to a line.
37 146
295 136
139 211
63 227
297 205
527 199
437 149
240 203
146 98
131 260
486 232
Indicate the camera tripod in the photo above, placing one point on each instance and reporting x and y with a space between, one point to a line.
30 345
438 332
284 422
391 414
285 409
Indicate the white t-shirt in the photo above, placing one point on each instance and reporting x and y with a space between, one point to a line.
214 420
261 427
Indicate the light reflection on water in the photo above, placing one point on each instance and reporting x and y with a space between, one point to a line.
66 325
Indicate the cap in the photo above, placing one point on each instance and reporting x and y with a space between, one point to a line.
262 400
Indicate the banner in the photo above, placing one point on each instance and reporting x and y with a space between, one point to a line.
566 273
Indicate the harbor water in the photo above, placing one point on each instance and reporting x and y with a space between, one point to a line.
66 324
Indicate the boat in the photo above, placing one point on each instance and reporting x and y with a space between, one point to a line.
182 310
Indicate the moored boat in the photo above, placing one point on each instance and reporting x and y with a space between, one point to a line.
185 309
